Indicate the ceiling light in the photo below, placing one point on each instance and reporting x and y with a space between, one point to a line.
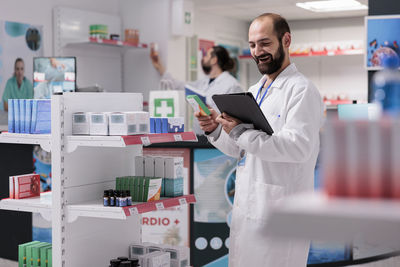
332 5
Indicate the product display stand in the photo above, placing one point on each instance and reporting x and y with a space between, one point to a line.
84 233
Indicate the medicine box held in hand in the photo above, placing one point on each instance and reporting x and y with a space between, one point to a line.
198 105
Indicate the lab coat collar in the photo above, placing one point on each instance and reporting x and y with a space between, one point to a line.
220 77
282 77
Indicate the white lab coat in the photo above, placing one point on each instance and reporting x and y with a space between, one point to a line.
276 166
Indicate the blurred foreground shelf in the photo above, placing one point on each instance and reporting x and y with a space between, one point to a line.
319 217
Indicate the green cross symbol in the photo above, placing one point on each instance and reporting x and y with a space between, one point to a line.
164 107
188 17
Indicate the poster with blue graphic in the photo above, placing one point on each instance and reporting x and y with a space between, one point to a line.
18 40
383 39
214 176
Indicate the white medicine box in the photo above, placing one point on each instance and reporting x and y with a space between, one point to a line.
98 123
81 123
129 123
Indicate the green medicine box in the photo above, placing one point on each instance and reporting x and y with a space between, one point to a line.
118 183
141 188
29 254
131 186
135 196
36 253
50 257
22 253
43 255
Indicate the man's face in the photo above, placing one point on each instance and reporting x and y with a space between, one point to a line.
266 50
19 71
206 61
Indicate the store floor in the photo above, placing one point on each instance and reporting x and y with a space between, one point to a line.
392 262
8 263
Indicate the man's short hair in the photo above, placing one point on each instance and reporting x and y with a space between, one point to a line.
281 25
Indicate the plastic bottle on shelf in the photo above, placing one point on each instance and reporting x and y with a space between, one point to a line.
386 86
111 197
128 198
106 198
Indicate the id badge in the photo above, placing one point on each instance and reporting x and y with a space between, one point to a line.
242 159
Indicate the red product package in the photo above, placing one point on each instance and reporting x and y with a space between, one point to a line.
26 186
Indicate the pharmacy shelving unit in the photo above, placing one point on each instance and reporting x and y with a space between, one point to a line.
85 233
315 216
310 53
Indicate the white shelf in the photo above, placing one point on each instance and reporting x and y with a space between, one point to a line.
95 42
35 139
97 210
319 217
40 205
94 209
74 141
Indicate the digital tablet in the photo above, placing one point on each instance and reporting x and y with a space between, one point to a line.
244 107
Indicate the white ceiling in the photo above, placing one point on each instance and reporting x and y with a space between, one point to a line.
248 9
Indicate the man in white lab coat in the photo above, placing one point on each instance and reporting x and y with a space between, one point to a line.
216 65
270 167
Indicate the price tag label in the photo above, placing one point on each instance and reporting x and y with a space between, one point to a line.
178 137
133 210
145 140
100 41
182 201
119 43
160 206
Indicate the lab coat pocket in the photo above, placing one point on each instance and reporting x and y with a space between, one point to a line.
262 197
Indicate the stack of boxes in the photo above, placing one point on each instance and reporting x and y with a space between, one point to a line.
35 254
170 169
143 189
149 253
98 31
24 186
31 116
167 125
110 123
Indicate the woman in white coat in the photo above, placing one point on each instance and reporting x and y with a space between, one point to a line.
270 167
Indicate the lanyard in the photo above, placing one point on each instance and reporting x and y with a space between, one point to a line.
266 91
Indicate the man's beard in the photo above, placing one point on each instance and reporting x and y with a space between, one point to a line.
206 67
274 65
